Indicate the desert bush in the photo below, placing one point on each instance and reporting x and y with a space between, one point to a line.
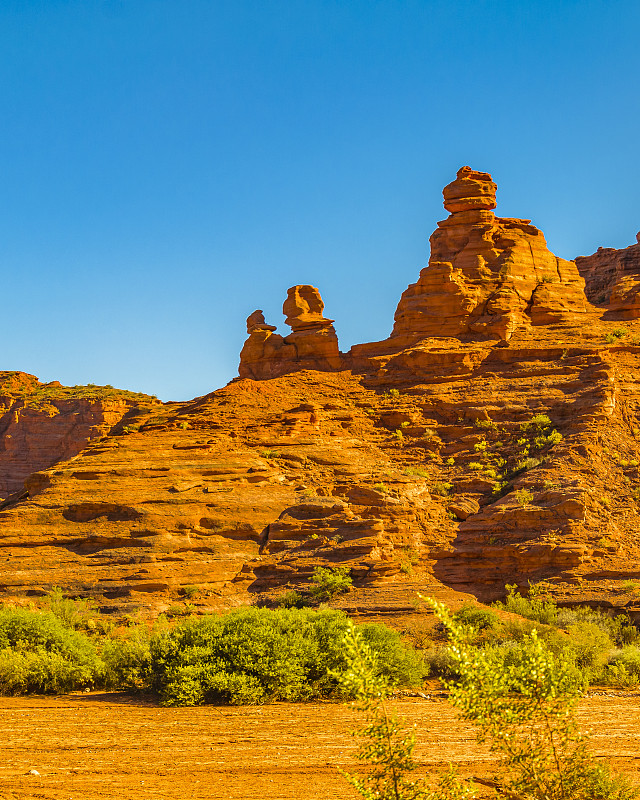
74 614
127 659
523 706
256 655
523 497
623 669
476 617
327 582
38 653
292 599
536 606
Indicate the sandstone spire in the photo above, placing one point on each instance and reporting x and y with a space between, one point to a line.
487 275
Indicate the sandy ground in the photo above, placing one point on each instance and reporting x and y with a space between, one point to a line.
117 746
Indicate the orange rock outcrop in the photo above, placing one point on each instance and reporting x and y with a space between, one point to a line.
613 278
487 275
313 343
41 424
493 438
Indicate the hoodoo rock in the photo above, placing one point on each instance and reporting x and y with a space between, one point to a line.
255 322
487 275
613 277
313 344
471 191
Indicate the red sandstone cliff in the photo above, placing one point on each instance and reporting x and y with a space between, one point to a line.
41 424
494 437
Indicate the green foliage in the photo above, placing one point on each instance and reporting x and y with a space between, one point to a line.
127 658
270 453
417 472
381 487
74 614
292 599
189 592
537 606
525 709
39 653
441 488
255 655
326 583
623 668
486 424
523 497
388 747
523 706
475 617
527 464
615 334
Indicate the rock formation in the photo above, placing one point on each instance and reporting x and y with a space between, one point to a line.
313 343
487 275
612 277
435 460
41 424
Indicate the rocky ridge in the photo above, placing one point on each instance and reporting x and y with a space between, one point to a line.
41 424
494 437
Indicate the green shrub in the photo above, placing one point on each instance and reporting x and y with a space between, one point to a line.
536 606
521 698
326 583
127 659
256 655
38 653
73 613
623 668
475 617
442 488
523 497
292 599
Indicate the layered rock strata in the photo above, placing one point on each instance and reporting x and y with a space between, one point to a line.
612 277
487 275
438 454
41 424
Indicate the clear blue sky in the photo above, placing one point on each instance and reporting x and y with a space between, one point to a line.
168 166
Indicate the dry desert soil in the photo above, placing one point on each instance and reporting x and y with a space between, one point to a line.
117 746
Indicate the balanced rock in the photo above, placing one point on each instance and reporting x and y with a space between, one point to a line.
255 322
487 275
303 309
313 344
470 191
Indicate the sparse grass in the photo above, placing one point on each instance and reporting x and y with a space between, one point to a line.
270 453
441 488
486 424
523 497
43 394
416 472
381 487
